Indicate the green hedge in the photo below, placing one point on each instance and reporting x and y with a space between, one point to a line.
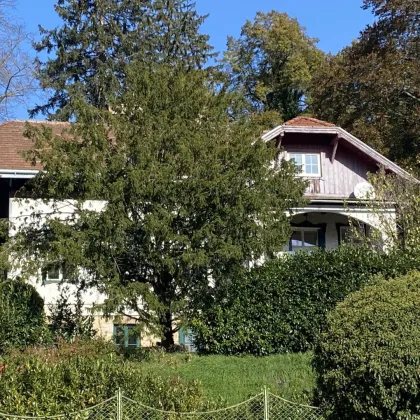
22 316
368 358
282 306
69 378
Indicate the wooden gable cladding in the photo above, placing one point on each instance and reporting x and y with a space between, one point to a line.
342 168
313 128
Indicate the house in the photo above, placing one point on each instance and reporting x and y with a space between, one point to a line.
334 162
336 166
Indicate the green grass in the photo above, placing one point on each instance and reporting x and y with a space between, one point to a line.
234 379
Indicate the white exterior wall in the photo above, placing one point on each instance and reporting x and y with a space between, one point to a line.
21 212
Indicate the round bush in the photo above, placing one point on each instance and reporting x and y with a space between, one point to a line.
22 316
368 358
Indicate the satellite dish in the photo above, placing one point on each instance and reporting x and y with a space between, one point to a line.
364 191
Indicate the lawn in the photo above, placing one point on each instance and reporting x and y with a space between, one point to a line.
234 379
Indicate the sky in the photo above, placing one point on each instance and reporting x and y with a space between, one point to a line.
336 23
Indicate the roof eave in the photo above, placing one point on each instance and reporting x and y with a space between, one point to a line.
378 157
18 173
272 134
363 147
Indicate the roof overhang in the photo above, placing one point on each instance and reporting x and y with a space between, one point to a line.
18 173
342 134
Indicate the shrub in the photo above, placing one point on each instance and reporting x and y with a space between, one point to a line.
67 319
368 358
22 317
69 378
281 306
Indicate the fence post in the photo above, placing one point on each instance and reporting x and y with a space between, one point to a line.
266 406
119 404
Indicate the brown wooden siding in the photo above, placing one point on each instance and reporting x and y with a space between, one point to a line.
337 179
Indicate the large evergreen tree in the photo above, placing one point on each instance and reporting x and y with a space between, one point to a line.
191 196
272 63
372 88
99 38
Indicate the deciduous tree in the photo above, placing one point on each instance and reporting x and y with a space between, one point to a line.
17 75
272 63
372 88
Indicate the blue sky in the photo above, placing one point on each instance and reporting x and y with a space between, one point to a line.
336 23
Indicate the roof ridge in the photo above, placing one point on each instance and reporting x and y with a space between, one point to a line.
297 121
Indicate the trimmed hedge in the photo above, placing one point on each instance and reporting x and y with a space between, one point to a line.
22 316
368 358
282 306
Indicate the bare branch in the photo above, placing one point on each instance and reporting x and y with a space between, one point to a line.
17 71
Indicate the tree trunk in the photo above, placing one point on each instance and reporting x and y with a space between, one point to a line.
164 291
168 336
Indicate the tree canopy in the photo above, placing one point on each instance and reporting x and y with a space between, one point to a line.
89 52
272 63
191 196
372 88
17 73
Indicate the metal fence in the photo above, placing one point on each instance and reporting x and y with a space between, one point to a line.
264 406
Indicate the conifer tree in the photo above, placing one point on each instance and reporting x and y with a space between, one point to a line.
99 38
191 197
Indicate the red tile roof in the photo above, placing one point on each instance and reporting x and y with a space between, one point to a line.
13 142
307 122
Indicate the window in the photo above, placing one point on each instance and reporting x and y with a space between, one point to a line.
186 338
54 273
304 239
310 163
348 236
127 335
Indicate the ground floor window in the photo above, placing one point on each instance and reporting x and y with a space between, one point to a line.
304 239
127 335
352 234
54 273
186 338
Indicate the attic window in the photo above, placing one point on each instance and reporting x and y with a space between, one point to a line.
310 163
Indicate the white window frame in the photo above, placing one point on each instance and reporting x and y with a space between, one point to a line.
46 279
303 173
303 230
